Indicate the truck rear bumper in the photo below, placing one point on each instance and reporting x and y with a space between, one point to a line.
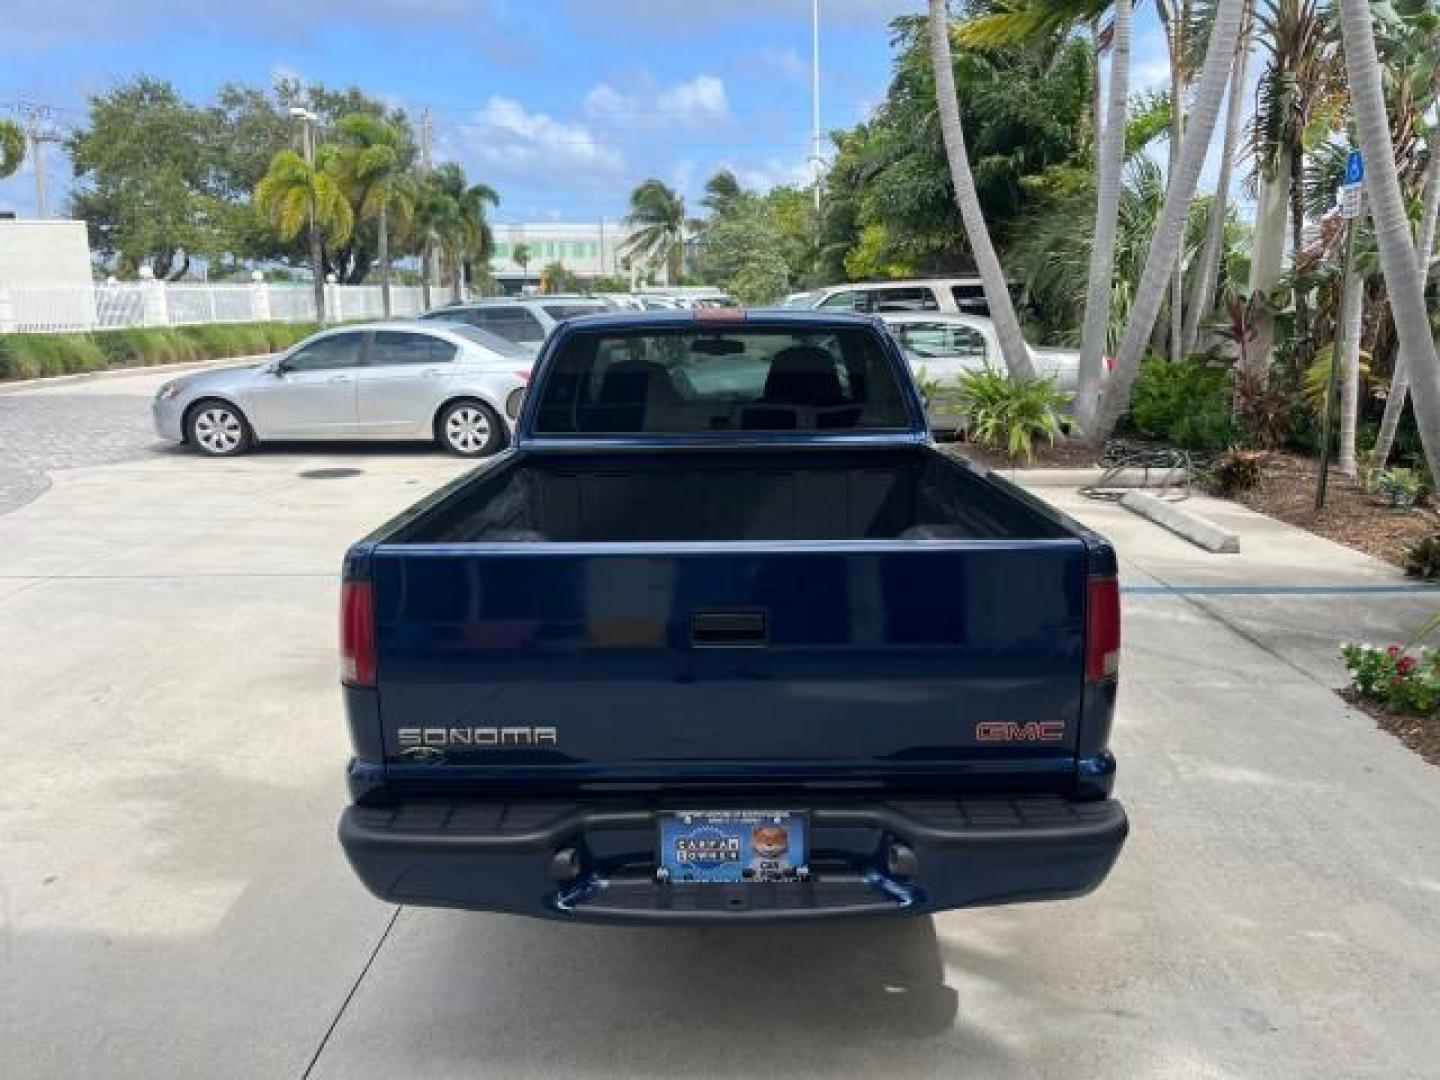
596 862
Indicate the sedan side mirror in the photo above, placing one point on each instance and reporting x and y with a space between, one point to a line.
274 367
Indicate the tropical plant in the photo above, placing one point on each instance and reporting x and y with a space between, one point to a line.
1011 415
12 147
556 277
720 190
997 292
1394 677
296 194
520 255
454 211
1400 488
657 222
1188 405
1404 279
1422 559
373 165
1159 264
1235 472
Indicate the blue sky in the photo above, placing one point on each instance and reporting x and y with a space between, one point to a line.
562 105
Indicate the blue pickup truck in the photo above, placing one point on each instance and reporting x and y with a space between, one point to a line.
723 636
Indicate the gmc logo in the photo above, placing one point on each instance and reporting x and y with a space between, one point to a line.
1008 731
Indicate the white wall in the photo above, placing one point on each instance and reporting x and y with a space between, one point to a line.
46 265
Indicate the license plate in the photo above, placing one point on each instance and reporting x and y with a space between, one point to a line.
733 846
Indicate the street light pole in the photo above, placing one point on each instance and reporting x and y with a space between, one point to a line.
317 258
815 99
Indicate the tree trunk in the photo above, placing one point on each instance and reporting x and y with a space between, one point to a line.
1170 233
383 243
317 270
457 280
992 277
1268 251
1176 41
425 272
1400 379
1207 270
1110 160
1404 278
1352 315
1303 337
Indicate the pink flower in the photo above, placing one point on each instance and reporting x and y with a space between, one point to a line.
1405 664
1393 650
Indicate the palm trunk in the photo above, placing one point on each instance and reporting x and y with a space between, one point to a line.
384 254
1400 380
1303 352
425 275
1176 40
1351 317
1149 294
317 270
992 276
1404 277
1207 270
1110 160
1269 250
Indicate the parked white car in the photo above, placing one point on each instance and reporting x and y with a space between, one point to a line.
525 320
394 381
953 295
941 348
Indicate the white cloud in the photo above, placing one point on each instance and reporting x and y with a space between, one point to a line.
698 101
511 142
772 172
785 63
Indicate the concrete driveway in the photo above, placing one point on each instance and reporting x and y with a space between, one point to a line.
174 904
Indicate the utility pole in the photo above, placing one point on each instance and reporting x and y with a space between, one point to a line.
317 258
427 259
815 162
38 133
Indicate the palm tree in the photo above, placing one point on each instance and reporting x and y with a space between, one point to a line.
992 276
720 191
1404 276
12 147
455 210
373 166
521 257
1207 269
1400 379
657 220
294 192
1159 265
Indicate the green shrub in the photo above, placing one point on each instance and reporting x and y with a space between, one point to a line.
1187 405
1008 415
1422 559
30 356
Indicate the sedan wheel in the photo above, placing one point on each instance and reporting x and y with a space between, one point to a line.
471 429
218 430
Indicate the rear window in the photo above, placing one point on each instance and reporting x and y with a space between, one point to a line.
686 381
494 342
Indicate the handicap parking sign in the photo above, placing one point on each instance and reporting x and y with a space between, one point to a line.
1354 168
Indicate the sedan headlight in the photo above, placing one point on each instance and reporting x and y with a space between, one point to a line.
170 389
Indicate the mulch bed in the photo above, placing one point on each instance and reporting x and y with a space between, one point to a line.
1419 733
1351 516
1063 455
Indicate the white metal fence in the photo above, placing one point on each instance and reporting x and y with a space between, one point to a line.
162 303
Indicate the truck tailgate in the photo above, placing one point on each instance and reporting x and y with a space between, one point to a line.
837 663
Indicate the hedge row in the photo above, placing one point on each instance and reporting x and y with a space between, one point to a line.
29 356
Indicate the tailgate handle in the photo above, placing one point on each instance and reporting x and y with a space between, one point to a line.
729 629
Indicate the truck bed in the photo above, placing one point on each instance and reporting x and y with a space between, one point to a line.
883 493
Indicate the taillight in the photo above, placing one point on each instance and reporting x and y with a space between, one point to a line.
1102 629
357 633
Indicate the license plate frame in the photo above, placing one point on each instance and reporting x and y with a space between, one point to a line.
732 847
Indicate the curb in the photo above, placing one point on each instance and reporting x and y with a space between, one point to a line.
1089 477
126 372
1183 523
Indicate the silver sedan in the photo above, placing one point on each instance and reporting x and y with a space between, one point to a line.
455 384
